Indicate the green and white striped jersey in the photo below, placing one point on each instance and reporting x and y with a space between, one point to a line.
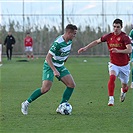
131 36
60 51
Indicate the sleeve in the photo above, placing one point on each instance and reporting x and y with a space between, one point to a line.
105 37
54 48
127 40
5 41
14 41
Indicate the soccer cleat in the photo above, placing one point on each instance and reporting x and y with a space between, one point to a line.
131 85
122 95
111 102
58 110
24 108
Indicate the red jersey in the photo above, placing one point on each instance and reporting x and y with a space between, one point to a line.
28 41
117 41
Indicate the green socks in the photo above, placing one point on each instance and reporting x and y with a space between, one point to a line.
67 94
37 93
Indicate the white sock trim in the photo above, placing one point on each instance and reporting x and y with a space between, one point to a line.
27 102
111 97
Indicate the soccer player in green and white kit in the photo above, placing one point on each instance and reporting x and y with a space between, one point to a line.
54 66
131 37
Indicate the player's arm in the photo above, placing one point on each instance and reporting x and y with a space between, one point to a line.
128 50
5 41
90 45
65 59
49 61
31 41
13 41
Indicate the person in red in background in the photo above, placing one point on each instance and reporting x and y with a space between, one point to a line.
119 46
28 42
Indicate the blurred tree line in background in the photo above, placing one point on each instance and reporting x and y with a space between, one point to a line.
44 36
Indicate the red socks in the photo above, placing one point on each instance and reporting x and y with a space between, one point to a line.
125 90
32 56
28 56
111 85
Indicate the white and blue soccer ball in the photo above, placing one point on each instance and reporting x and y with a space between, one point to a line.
65 108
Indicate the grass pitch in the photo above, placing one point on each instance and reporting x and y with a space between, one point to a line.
89 100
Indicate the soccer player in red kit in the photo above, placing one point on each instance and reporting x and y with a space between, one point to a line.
28 42
119 46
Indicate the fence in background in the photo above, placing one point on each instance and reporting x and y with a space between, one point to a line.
44 20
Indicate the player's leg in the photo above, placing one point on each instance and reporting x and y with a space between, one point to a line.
70 85
124 89
68 80
31 53
10 57
28 55
46 85
124 77
32 56
7 53
26 49
113 72
27 52
111 87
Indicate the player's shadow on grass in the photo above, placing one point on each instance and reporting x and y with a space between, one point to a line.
22 61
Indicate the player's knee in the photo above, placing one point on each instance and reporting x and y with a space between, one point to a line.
72 85
44 90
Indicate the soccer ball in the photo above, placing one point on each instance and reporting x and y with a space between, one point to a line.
65 108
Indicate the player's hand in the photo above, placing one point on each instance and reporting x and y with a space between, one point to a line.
56 73
114 50
65 60
81 50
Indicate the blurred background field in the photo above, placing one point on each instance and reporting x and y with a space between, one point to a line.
89 100
46 19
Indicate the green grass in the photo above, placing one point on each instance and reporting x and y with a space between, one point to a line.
89 100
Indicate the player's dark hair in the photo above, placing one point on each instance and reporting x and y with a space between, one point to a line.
118 21
71 27
27 32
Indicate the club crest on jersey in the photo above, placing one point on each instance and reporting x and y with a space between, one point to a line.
118 39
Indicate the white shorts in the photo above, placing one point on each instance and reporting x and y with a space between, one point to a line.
122 72
28 49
